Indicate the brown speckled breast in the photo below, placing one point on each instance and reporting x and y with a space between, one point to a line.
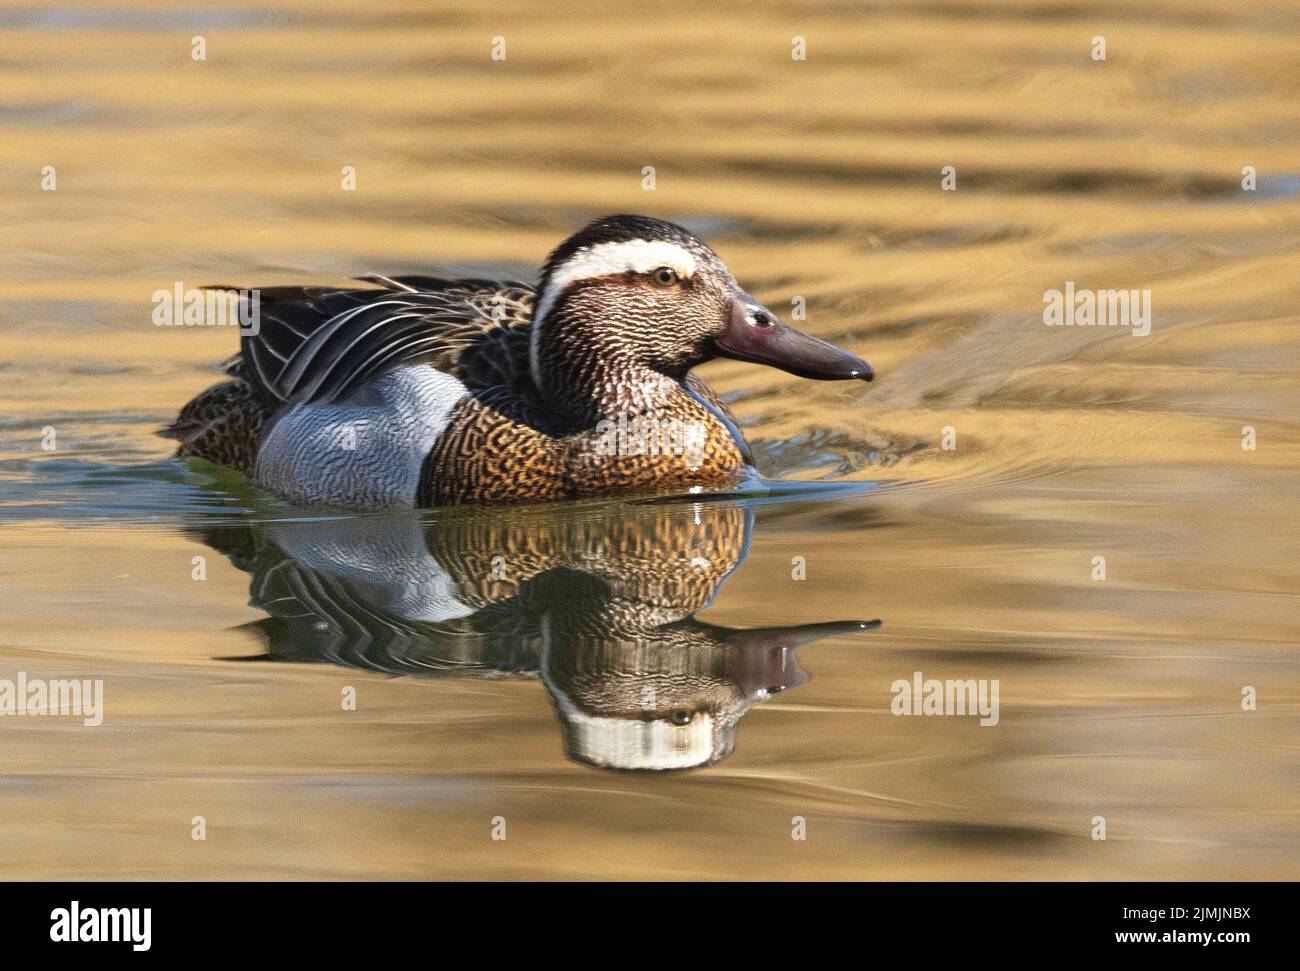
484 457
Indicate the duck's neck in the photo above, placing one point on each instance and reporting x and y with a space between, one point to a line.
589 381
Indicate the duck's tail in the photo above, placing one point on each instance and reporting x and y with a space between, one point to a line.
221 424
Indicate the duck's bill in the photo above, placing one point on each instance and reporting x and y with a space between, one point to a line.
756 335
763 661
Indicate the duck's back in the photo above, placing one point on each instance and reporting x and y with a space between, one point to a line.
319 344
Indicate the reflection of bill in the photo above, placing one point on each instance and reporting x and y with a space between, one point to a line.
598 603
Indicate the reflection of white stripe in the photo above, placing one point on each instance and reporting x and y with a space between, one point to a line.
629 742
633 256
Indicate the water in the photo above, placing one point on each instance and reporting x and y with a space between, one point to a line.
1119 698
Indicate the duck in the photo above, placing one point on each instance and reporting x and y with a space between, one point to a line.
418 391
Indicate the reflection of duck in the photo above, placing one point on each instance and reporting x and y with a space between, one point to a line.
598 602
426 392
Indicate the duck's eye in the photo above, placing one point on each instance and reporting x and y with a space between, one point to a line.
680 717
665 276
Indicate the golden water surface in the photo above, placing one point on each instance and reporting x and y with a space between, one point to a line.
991 464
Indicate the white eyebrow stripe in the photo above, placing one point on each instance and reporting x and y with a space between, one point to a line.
604 259
631 256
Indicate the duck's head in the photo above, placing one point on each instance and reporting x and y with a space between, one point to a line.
633 292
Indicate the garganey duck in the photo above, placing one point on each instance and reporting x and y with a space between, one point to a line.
428 392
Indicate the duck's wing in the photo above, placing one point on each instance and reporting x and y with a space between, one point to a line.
318 343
